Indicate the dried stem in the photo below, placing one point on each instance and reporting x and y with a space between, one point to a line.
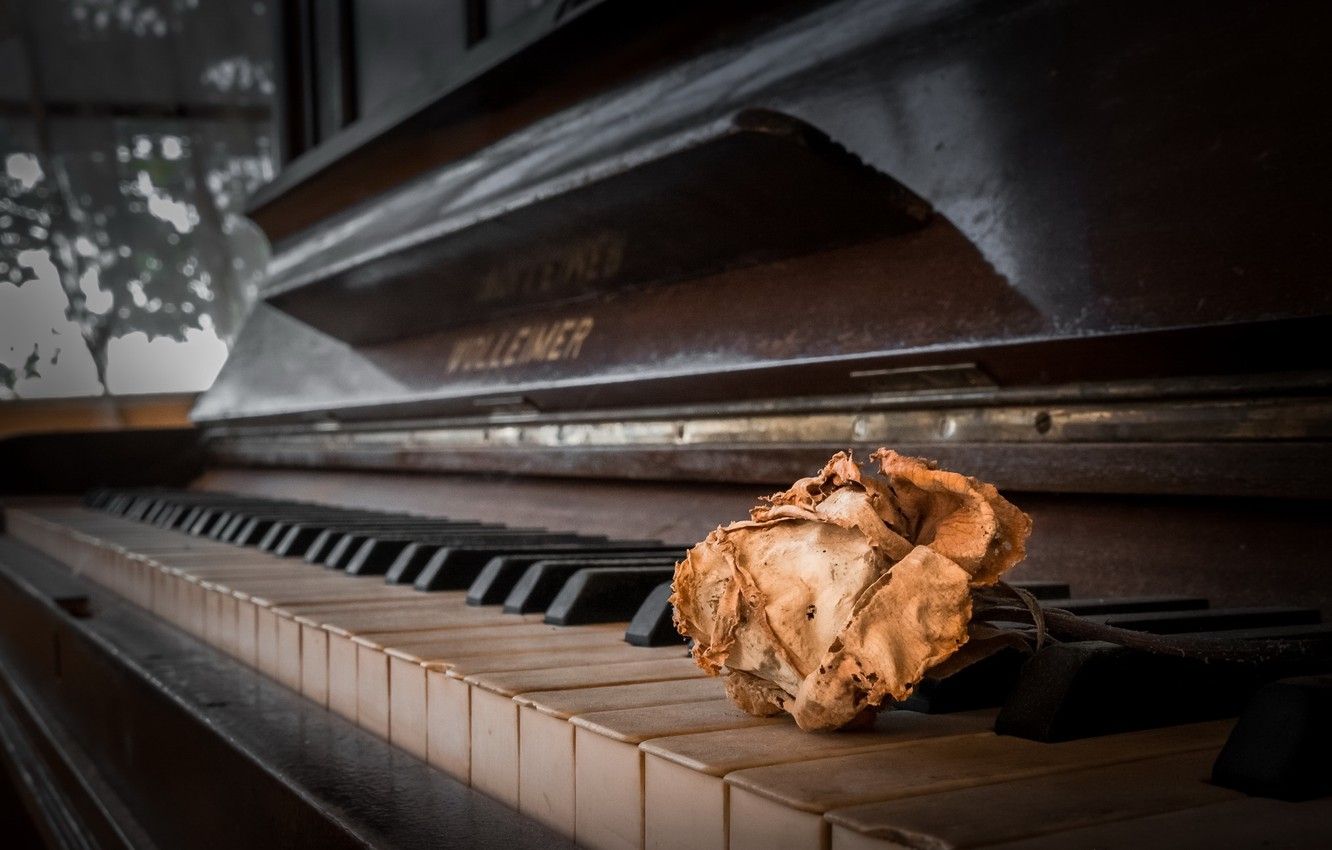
992 608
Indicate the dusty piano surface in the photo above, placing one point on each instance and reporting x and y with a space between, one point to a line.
404 583
616 745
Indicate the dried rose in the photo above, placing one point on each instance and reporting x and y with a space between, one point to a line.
847 589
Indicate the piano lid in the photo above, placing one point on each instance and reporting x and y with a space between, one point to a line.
560 216
1085 226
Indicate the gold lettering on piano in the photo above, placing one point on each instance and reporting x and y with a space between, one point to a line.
539 342
554 271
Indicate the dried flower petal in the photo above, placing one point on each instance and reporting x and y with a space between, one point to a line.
913 618
957 516
847 588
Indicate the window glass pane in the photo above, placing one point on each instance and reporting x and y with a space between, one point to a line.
125 265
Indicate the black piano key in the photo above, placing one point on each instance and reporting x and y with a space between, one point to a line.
187 520
253 530
502 572
409 563
378 555
295 539
653 623
205 521
990 681
265 530
1282 745
271 538
455 567
1308 631
282 530
221 523
143 506
137 507
542 582
1083 689
238 519
157 512
1044 589
307 537
172 517
984 684
343 553
327 541
248 527
1128 604
1175 622
604 594
331 546
439 571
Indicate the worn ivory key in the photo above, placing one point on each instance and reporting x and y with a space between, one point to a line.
298 633
373 694
452 707
194 594
221 600
1025 808
783 805
492 720
444 695
278 634
545 759
405 682
301 634
1242 822
685 772
252 604
608 764
207 599
442 610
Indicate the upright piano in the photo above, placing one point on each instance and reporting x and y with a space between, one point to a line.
529 335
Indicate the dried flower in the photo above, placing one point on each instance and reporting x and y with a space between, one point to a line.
848 588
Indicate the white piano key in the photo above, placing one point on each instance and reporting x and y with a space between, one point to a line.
789 800
608 767
448 700
1027 808
690 768
546 738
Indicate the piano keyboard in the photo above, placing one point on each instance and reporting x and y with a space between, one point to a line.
500 656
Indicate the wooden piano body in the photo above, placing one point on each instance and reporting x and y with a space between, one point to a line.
1070 249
